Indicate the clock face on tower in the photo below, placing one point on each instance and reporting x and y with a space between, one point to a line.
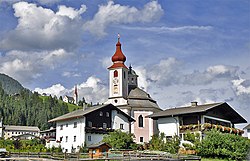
115 81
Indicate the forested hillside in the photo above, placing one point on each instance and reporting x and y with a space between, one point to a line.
30 109
10 85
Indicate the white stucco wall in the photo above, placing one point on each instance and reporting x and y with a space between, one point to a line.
118 119
169 126
248 133
95 138
70 132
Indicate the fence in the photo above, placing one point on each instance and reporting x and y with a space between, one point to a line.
113 155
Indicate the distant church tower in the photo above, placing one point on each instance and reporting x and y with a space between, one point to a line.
75 95
118 78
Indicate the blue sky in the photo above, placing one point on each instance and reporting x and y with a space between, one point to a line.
182 50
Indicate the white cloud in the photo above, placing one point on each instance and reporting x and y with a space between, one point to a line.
142 79
106 62
92 90
48 1
55 90
165 72
70 74
71 12
26 66
164 29
40 1
42 28
241 86
118 14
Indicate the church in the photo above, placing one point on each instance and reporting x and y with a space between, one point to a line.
126 109
125 94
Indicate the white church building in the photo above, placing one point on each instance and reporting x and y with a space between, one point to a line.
125 94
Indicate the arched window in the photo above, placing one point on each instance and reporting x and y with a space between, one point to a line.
140 121
115 73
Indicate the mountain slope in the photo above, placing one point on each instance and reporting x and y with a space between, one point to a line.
10 85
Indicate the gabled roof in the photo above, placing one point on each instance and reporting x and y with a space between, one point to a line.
21 128
98 145
69 97
81 113
247 127
234 116
52 129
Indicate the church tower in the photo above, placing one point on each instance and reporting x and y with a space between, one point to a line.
118 78
132 79
75 95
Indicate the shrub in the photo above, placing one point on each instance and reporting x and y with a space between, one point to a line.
162 143
119 140
222 145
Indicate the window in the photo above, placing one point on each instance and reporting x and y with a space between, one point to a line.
101 113
141 139
115 89
61 138
75 124
61 127
107 114
121 126
67 125
115 73
89 138
140 121
90 124
74 138
104 125
124 75
66 138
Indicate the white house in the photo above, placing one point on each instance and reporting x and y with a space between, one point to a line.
247 128
23 132
88 126
68 99
198 118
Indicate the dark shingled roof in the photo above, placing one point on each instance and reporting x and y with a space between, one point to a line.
140 99
98 145
234 116
81 113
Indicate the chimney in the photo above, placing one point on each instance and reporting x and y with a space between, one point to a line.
194 104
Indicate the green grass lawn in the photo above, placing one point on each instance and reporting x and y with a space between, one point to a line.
212 159
71 107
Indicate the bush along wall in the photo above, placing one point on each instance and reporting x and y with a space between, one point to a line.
223 145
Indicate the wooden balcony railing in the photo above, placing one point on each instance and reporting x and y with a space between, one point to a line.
208 126
97 130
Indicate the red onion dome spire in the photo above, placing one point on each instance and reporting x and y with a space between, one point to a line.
118 58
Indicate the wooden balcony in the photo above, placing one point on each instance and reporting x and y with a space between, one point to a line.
208 126
97 130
